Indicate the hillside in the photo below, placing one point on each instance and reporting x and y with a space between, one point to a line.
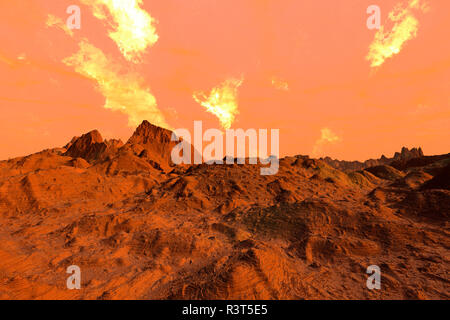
140 227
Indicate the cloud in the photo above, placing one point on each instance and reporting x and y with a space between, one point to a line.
389 43
124 92
327 137
133 29
221 101
53 21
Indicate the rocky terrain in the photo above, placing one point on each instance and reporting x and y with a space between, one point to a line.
141 228
399 157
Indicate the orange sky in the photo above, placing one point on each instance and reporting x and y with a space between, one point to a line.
300 67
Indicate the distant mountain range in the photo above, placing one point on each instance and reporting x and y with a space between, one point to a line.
402 156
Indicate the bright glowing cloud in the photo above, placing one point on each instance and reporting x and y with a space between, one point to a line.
389 43
221 101
124 92
53 21
133 28
327 137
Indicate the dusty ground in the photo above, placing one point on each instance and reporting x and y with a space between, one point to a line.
140 228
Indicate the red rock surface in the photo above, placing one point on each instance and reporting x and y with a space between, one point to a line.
141 228
398 159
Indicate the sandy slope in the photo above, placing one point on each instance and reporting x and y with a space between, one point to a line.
140 227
